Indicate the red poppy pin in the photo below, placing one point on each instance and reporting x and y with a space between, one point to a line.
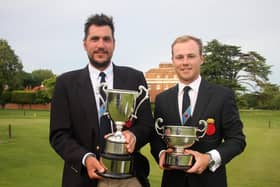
211 129
128 123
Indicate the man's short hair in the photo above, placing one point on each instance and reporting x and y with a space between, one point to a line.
99 20
186 38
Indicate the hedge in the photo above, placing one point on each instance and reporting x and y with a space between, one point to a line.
23 97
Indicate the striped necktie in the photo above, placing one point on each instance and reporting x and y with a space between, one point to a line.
186 105
101 91
104 121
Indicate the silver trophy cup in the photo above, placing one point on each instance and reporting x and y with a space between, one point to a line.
120 108
179 138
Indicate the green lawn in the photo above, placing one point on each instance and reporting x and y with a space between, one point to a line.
27 159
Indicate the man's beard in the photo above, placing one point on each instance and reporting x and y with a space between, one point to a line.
98 65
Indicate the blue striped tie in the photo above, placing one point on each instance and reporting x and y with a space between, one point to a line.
104 121
186 105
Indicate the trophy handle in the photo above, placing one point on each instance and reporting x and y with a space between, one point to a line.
159 128
103 86
141 88
204 130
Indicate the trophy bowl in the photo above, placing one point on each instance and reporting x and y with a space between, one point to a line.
120 107
179 138
120 104
176 136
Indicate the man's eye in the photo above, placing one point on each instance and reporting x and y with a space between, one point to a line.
107 39
95 38
179 57
191 56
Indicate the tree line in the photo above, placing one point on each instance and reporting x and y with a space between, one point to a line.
21 87
246 73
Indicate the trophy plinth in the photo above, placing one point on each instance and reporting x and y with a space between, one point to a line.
179 138
178 161
118 166
120 107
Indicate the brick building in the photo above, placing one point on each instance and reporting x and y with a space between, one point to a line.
160 79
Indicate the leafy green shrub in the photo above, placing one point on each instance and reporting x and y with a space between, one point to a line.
41 97
23 97
5 97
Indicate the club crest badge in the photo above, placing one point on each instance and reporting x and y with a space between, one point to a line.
186 115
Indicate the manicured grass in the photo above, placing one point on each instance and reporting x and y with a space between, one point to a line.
258 165
27 159
260 118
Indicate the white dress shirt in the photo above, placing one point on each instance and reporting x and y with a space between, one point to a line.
193 92
95 82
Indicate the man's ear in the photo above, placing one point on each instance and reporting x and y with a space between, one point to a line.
202 59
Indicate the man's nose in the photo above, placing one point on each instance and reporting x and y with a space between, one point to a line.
100 43
185 60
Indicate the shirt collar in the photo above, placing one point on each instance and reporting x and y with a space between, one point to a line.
94 72
194 85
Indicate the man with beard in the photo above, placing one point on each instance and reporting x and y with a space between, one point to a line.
75 131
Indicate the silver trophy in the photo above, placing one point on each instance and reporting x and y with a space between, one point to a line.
120 108
179 138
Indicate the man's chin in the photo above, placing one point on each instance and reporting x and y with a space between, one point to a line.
100 64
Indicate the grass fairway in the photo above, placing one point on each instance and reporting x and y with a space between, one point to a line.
26 159
258 165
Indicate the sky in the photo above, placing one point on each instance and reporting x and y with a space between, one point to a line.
48 34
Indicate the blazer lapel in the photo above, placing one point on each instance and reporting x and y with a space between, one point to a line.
202 102
119 78
173 105
87 98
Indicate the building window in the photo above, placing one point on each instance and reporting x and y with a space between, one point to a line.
158 87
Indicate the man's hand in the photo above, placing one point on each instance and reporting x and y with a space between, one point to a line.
162 157
201 161
93 166
130 139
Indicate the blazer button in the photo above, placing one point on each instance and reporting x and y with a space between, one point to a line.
97 148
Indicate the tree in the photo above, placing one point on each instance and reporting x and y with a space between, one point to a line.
40 75
269 97
49 86
227 65
255 70
10 66
27 80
